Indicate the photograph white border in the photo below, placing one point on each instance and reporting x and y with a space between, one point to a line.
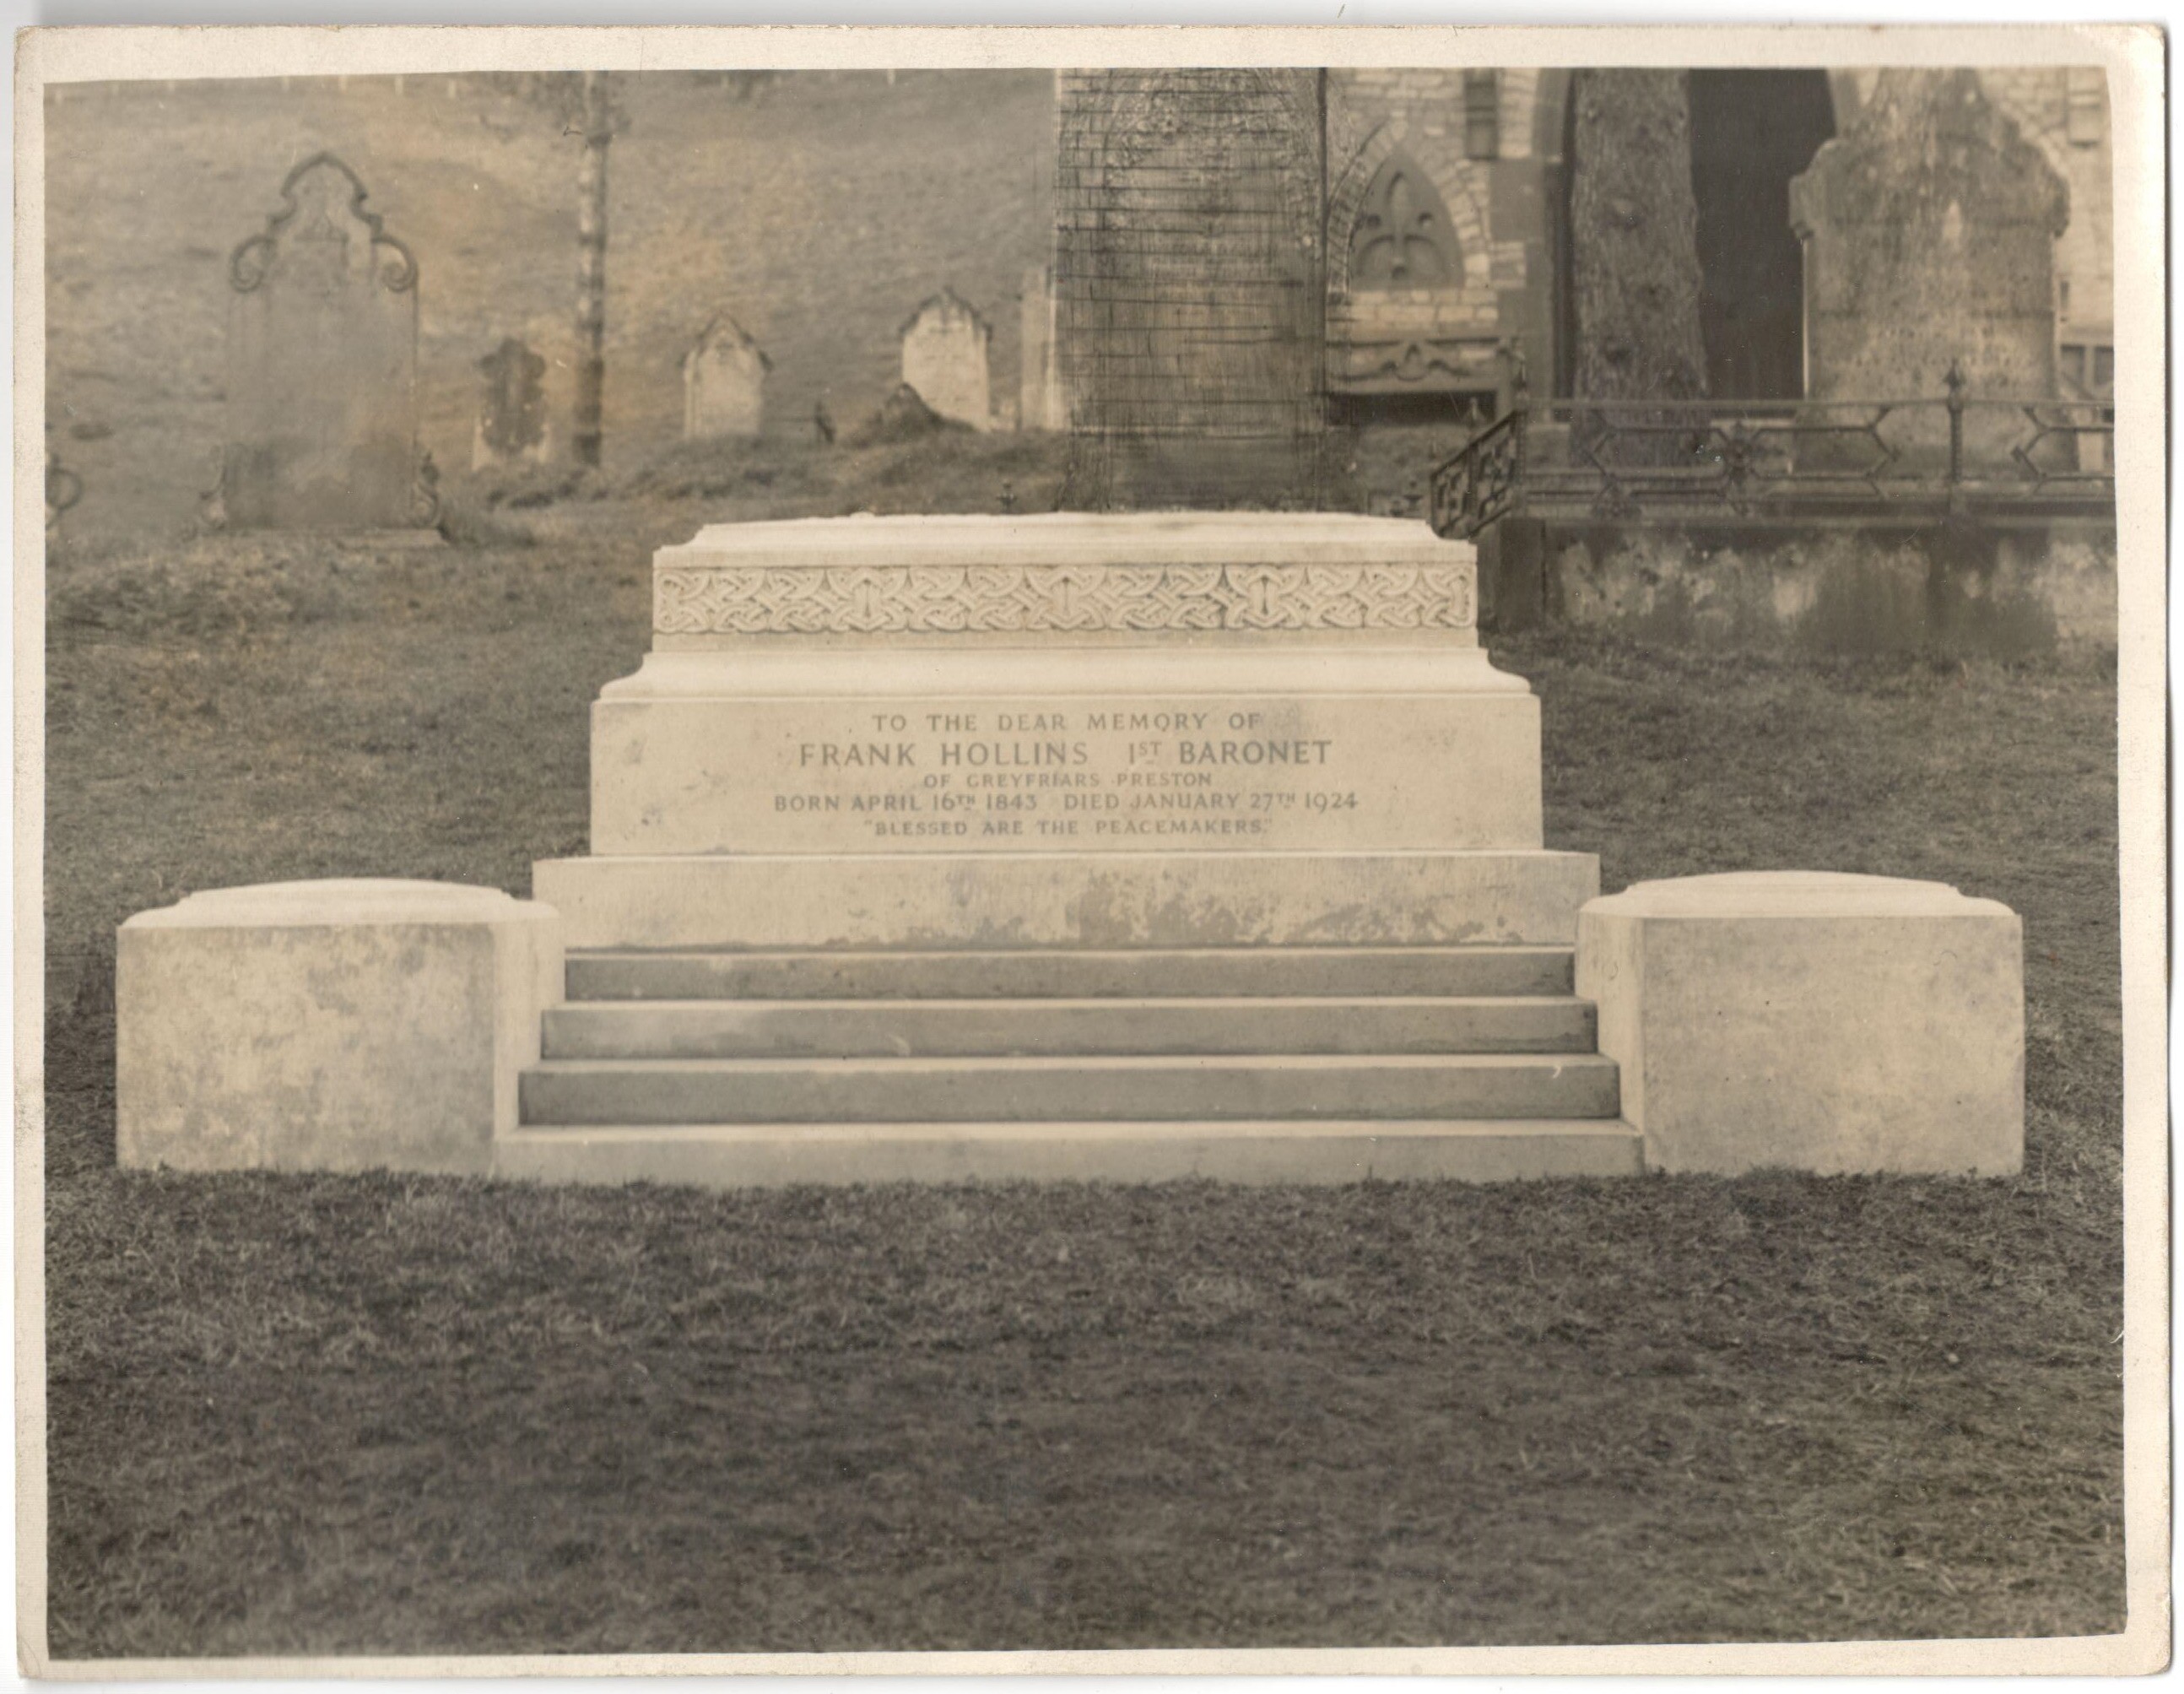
2134 56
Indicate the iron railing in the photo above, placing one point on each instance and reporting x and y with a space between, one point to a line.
1908 460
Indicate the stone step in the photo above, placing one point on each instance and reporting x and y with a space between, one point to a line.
1243 1150
1070 973
1168 1088
831 1029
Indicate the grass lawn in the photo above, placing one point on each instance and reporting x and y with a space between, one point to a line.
304 1414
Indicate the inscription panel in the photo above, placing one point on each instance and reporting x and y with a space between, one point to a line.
1073 773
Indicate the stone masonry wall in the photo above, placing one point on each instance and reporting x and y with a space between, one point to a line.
1444 337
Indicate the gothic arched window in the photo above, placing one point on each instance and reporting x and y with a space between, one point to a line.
1401 239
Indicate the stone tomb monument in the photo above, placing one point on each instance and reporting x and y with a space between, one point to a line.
723 382
945 347
1124 847
1117 846
512 425
322 422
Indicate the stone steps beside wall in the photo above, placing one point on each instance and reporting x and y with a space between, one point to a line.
822 1028
1115 1087
1242 1150
1308 1064
1069 973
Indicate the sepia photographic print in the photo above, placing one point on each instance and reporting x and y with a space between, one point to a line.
1013 849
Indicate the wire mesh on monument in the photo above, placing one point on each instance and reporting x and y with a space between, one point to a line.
1189 286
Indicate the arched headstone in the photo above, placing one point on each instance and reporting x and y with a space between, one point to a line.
945 358
321 428
1929 228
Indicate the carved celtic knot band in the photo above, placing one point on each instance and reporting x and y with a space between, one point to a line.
736 600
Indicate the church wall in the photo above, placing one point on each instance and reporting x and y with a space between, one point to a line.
1187 266
1443 338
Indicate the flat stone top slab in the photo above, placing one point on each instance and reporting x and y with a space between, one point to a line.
1794 894
355 900
1091 538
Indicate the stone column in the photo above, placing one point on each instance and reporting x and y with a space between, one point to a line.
1039 405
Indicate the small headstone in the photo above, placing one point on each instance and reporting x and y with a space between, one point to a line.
1929 228
511 421
322 427
64 488
944 348
723 382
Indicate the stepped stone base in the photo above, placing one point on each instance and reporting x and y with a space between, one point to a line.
1118 848
1248 1064
1121 847
986 900
759 1155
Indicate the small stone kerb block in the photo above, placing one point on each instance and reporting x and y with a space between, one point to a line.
329 1026
1813 1021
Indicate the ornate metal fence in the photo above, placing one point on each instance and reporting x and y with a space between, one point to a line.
1908 460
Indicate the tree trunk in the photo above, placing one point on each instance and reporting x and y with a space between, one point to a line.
592 268
1634 246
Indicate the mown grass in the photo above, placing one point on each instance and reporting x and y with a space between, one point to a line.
318 1415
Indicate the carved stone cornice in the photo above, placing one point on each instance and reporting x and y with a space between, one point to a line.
696 600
